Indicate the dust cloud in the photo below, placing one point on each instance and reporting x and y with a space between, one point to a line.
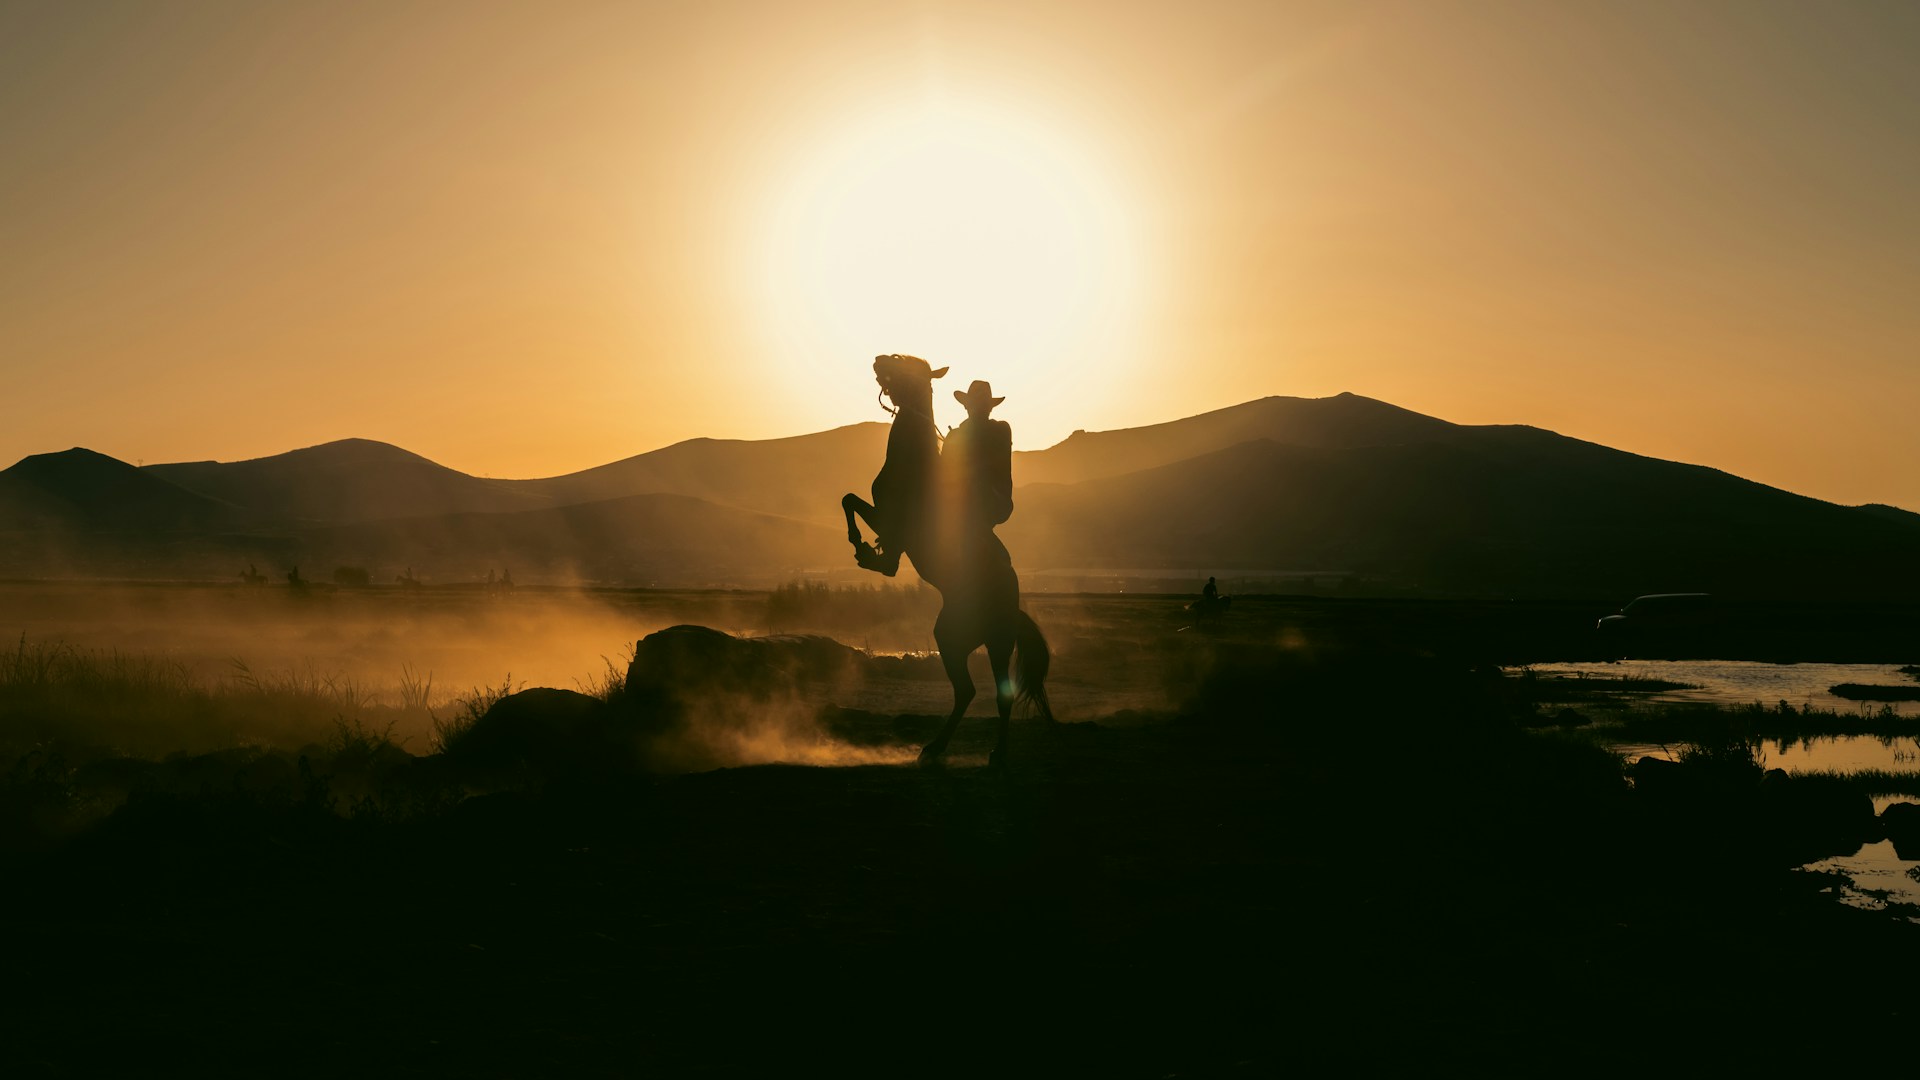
378 640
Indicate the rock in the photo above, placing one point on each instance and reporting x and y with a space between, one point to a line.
1900 823
703 699
683 662
544 732
1809 818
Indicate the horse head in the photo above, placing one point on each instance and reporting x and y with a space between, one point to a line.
907 381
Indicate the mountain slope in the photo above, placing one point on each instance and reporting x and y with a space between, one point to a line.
346 481
1488 509
1345 420
81 489
1341 483
802 477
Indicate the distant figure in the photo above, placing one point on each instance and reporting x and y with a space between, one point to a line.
251 576
1211 603
407 581
293 578
506 580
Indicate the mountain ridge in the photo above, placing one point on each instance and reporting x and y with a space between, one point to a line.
1345 482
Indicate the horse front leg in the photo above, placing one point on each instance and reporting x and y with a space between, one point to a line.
955 661
885 563
855 505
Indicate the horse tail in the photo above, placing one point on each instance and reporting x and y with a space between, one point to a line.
1032 658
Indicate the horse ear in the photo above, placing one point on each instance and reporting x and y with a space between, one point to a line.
937 373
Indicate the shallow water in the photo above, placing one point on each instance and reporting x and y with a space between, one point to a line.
1880 876
1745 682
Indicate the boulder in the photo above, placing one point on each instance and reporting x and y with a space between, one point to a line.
1900 823
702 699
685 662
1809 818
544 732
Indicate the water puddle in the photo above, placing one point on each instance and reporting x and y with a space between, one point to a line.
1876 877
1745 682
1879 877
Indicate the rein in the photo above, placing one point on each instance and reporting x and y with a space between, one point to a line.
880 396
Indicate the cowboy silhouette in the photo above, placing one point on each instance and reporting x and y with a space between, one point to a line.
938 508
978 460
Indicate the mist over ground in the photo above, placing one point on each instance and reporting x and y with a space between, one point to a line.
400 660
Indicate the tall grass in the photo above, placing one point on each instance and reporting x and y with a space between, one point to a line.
611 684
466 711
416 690
92 703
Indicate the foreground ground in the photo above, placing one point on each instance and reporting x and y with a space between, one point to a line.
1182 900
1311 860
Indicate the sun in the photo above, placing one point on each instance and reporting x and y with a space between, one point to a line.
972 237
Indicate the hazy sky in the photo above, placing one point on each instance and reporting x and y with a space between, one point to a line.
528 238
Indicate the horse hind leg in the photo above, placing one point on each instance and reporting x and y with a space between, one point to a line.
955 661
1000 655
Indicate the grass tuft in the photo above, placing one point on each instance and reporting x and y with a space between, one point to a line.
467 711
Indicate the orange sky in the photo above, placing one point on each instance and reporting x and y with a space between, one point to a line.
524 239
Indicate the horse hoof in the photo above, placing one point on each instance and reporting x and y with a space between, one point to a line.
996 760
930 757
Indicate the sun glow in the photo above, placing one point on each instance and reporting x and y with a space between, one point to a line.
970 237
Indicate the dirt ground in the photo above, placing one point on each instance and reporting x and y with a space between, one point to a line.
1298 845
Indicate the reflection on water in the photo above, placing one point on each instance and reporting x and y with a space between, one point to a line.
1880 876
1836 753
1744 682
1850 753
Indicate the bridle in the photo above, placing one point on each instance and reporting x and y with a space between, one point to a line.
894 411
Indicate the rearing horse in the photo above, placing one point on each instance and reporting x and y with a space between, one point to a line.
914 514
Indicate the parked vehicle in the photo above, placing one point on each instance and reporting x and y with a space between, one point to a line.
1662 625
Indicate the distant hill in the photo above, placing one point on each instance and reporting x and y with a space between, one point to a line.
1487 509
346 481
80 489
1342 421
82 513
802 477
1891 513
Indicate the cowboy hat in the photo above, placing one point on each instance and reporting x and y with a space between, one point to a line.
979 393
